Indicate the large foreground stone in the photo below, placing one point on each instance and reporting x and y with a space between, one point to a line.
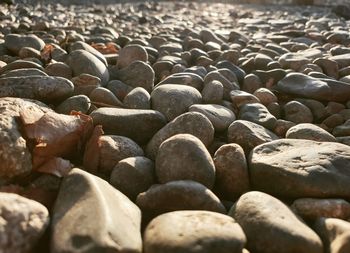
271 227
139 125
22 223
301 168
15 157
194 231
91 216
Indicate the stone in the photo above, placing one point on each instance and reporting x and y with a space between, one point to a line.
265 96
114 148
189 79
43 88
15 156
81 61
138 98
79 103
119 89
84 46
232 177
248 134
213 92
131 53
193 231
301 168
251 83
309 131
174 161
20 64
271 227
257 113
90 214
24 72
301 85
173 100
145 123
15 42
311 209
296 112
133 175
136 74
59 69
178 195
240 98
220 116
342 130
23 222
229 85
334 234
193 123
103 97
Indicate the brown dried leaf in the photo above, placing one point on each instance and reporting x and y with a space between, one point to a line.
108 48
92 150
46 53
55 136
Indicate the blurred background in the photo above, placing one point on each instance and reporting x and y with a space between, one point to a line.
296 2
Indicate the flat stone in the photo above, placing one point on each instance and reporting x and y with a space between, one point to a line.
139 125
309 131
271 227
43 88
193 231
14 42
178 195
90 214
301 168
220 116
319 89
312 209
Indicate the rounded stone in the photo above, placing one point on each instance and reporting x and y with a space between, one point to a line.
131 53
133 176
309 132
138 98
184 157
220 116
173 100
193 231
213 92
297 112
79 103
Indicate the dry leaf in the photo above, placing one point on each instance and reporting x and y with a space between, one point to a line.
92 150
55 136
108 48
46 53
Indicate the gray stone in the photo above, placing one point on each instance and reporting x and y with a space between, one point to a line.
257 113
309 131
43 88
188 123
89 214
138 98
178 195
193 231
14 42
173 100
296 112
174 161
232 177
82 61
133 176
139 125
23 222
301 168
271 227
79 103
248 134
220 116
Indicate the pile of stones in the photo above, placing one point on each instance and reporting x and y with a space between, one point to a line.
174 127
